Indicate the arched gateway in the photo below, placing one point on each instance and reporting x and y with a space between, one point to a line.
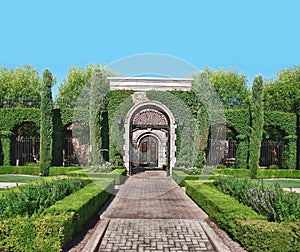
149 125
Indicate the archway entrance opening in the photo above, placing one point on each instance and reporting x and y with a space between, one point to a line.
149 137
150 134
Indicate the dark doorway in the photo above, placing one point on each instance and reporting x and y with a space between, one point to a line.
148 149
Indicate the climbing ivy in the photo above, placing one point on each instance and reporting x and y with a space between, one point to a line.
116 103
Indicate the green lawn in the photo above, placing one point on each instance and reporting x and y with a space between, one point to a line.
17 178
285 183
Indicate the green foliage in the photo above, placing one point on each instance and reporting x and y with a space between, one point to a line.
35 170
259 235
84 203
11 117
103 167
34 198
37 233
284 183
119 175
19 87
243 224
220 207
99 88
184 104
283 93
56 226
256 124
282 121
117 103
231 87
46 124
261 173
238 121
72 86
57 138
180 177
18 178
270 201
69 89
284 125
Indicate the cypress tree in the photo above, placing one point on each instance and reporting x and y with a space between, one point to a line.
99 88
46 128
256 124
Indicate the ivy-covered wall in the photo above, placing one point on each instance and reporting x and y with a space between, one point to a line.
112 136
117 103
286 123
9 119
238 120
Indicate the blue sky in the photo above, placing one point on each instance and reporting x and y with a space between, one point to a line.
255 37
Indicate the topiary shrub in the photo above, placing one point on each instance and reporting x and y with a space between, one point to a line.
46 124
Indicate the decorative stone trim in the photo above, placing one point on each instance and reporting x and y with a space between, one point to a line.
146 83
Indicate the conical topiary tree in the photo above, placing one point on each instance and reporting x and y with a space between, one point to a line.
46 128
256 124
99 88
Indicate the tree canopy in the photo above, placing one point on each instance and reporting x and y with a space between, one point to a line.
77 78
231 87
283 93
20 86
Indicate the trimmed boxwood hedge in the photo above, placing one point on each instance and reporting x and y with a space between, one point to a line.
35 170
262 173
56 226
244 225
119 174
180 177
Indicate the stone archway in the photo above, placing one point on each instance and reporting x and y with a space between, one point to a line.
154 120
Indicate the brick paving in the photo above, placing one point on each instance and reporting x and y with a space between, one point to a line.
152 195
155 235
152 213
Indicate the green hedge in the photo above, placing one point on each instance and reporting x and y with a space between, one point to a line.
180 177
52 230
84 203
35 170
244 225
119 175
262 173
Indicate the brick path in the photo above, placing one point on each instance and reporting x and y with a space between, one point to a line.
152 213
155 235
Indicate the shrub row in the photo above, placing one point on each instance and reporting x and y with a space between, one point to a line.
261 173
180 177
52 230
35 197
35 170
270 201
243 224
118 174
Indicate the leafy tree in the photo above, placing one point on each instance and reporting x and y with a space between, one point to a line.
46 123
283 94
231 87
256 124
71 87
20 86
